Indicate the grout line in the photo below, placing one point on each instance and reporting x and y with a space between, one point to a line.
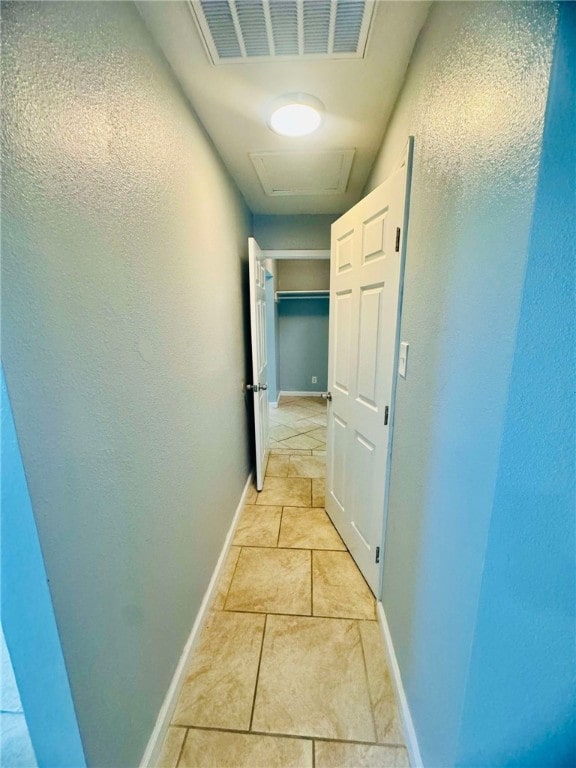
232 578
182 747
258 672
313 754
304 737
280 528
291 549
312 582
368 688
298 615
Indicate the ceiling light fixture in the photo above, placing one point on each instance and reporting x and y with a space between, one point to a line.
297 114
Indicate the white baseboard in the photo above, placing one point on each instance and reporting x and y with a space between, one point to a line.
274 403
154 746
406 717
288 393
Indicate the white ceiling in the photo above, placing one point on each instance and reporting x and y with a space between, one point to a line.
233 100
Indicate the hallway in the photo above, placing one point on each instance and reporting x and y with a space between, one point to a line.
290 668
136 167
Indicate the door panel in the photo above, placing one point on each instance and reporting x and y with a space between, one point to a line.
368 347
365 290
257 276
343 312
374 236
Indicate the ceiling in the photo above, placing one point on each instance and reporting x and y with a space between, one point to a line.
233 101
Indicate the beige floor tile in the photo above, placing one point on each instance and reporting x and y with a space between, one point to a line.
225 578
258 526
339 589
295 411
319 453
282 431
301 441
171 748
286 491
307 466
321 419
277 466
318 492
220 749
303 426
386 715
312 680
252 495
219 687
318 434
304 528
278 451
271 581
330 754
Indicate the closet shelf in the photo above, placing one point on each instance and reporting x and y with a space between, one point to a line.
283 295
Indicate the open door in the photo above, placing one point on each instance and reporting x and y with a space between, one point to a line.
366 273
259 385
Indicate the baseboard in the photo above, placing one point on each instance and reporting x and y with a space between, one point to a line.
288 393
275 403
152 752
406 717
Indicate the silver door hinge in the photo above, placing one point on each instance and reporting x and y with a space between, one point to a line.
377 554
397 248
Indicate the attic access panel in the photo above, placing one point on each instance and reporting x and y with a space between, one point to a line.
236 31
303 173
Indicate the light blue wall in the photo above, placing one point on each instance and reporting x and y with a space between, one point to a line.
293 232
474 99
124 269
30 629
520 705
303 344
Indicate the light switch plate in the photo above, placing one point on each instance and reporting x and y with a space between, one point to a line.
403 359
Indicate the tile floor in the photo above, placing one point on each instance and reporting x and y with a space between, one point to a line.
290 668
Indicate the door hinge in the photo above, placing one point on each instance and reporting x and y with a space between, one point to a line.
377 554
397 248
385 415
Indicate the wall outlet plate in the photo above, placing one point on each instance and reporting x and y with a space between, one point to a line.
314 379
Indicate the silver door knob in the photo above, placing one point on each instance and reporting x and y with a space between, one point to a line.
252 387
263 386
326 395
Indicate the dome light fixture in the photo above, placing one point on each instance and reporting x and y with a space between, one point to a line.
297 114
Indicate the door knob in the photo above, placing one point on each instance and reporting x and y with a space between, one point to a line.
326 395
263 386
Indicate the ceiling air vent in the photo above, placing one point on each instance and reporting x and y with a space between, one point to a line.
237 31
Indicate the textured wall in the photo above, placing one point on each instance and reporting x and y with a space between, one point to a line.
303 274
520 708
293 232
30 629
474 98
123 267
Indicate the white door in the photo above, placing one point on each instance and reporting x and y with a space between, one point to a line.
259 356
367 260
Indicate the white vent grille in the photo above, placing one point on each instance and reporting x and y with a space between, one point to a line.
235 31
